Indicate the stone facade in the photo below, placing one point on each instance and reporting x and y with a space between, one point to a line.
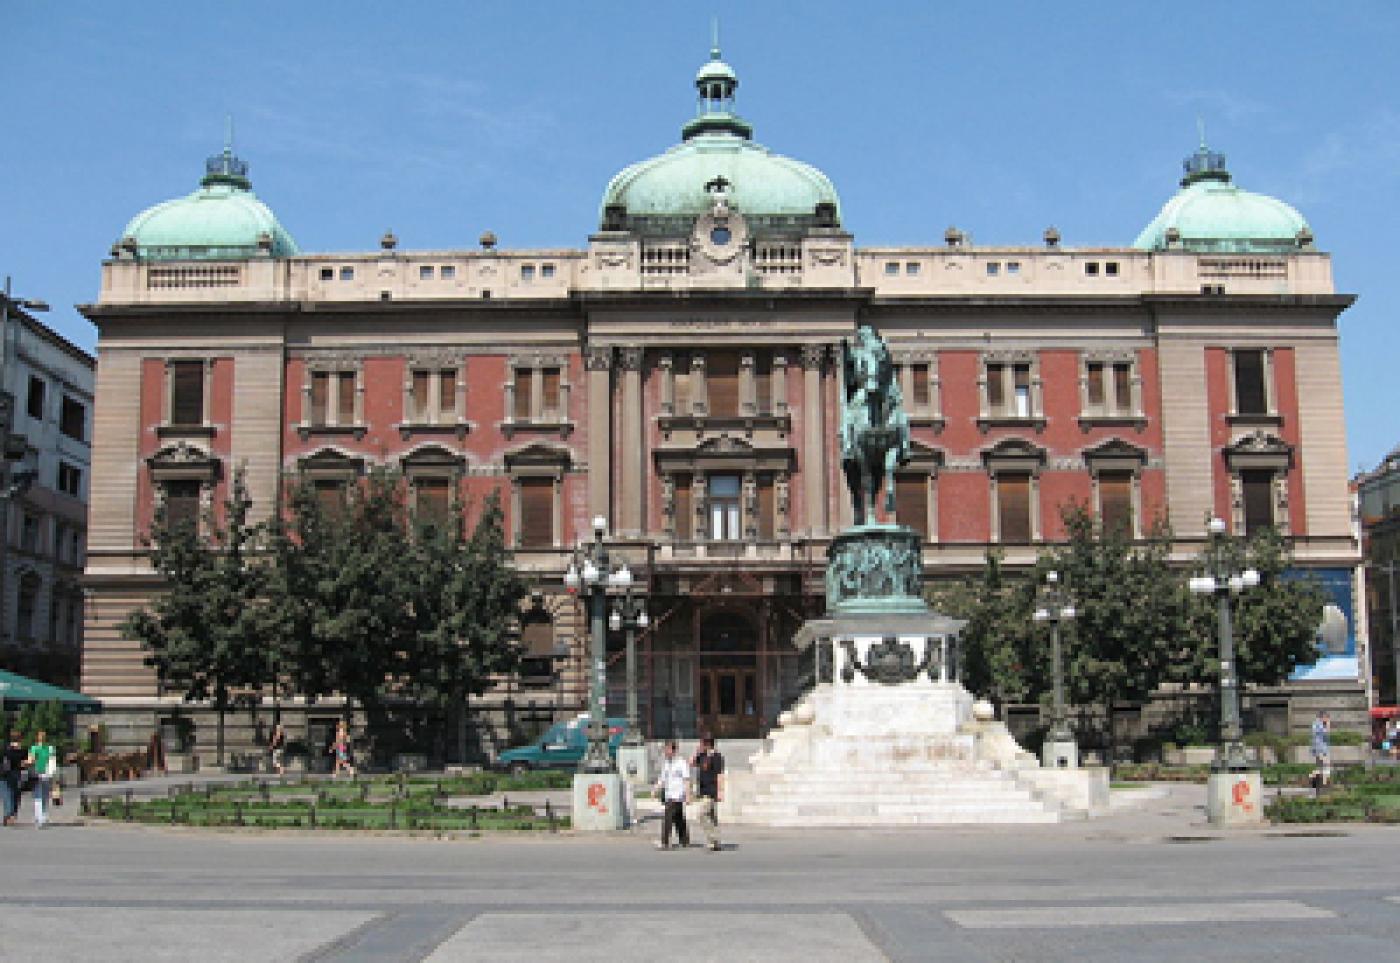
678 376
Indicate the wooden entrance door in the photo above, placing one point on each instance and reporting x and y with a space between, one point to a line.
727 702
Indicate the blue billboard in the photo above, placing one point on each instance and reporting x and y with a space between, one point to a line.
1336 635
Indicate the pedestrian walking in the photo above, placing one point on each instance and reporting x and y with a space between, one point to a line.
673 786
277 748
341 748
708 765
12 776
43 762
1322 746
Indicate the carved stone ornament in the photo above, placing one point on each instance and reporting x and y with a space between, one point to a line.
875 567
888 662
827 256
600 357
813 355
630 359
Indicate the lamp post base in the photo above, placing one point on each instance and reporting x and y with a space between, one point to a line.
1235 799
1059 754
599 803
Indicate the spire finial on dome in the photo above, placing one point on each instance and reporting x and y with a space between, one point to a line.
226 167
1205 164
716 83
714 38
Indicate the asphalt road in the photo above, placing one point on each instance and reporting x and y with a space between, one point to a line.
1146 883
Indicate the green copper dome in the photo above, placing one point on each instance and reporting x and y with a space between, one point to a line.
222 220
717 149
1210 213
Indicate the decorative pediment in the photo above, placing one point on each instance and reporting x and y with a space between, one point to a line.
724 452
331 464
1115 454
537 455
1014 454
183 461
1259 449
924 457
433 460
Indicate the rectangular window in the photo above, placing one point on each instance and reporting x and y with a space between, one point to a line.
763 383
425 272
1116 501
36 397
527 272
1021 375
911 502
993 268
766 507
320 394
1091 268
681 379
1251 394
70 479
431 498
911 268
327 274
330 495
447 393
345 398
419 394
996 388
1122 387
29 533
347 274
891 268
684 507
1110 268
1094 388
546 270
524 388
187 392
73 419
919 375
182 503
1257 487
1014 507
1013 267
549 394
724 508
722 383
536 512
447 272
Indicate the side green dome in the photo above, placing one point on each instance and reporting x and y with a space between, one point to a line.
222 220
1210 213
717 149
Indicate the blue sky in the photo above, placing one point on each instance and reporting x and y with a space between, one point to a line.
440 120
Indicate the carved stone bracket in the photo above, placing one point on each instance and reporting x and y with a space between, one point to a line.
813 355
629 359
599 357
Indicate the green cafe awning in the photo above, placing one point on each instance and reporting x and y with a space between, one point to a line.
16 689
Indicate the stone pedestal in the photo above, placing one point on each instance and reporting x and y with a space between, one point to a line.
1235 799
599 803
1060 754
634 763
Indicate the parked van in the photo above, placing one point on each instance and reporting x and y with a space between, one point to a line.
561 747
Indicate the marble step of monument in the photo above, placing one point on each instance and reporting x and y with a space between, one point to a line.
814 814
910 794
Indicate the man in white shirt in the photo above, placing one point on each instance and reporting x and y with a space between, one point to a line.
673 786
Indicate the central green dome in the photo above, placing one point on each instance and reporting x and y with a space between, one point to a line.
717 148
223 220
1212 214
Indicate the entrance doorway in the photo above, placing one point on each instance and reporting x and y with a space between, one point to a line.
726 679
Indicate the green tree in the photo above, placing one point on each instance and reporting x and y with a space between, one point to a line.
1275 623
1131 629
206 634
997 658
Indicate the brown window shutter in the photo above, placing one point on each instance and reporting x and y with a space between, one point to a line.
1094 370
320 390
524 384
187 393
766 505
911 502
1250 395
447 392
1258 490
1116 501
1014 507
722 383
432 497
536 512
550 386
685 509
1123 387
996 387
763 383
919 375
537 637
345 398
419 397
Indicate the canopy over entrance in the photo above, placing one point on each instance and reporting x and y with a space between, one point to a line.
19 689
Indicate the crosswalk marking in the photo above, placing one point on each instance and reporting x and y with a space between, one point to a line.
1148 914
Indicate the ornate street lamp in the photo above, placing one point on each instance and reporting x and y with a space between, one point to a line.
590 572
1220 580
629 612
1055 606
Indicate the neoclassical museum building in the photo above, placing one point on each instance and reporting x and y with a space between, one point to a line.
677 374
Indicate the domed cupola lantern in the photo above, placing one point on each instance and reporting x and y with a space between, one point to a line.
716 83
223 220
1212 214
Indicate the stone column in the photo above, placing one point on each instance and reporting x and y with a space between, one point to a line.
814 438
599 361
631 445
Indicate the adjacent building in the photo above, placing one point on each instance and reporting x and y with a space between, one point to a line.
1378 502
47 384
676 372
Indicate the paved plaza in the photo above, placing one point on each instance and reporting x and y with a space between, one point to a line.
1148 882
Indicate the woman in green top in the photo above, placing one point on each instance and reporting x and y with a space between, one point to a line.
43 762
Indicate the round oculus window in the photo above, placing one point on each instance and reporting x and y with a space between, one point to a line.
720 236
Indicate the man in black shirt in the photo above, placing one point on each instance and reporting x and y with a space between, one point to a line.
708 767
